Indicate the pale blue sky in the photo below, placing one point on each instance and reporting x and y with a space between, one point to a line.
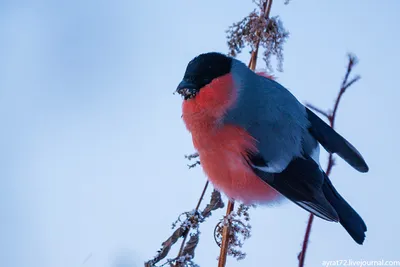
92 142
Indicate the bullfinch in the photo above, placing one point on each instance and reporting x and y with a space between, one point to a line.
257 142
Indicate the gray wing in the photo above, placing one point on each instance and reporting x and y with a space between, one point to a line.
287 135
274 117
283 126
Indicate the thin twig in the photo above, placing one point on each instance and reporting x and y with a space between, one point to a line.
252 65
186 255
345 85
190 166
320 111
182 231
225 239
196 209
254 54
302 254
192 156
331 161
166 246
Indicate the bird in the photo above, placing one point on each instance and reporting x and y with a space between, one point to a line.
257 143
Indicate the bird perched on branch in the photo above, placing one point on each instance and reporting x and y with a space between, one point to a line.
255 139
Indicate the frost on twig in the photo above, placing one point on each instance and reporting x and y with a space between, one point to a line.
189 223
197 162
240 230
258 29
186 260
166 246
192 156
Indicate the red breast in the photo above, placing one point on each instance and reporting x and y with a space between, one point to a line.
223 148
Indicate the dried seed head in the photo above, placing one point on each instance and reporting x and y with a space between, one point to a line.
258 30
239 231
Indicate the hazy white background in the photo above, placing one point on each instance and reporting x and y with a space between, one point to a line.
92 144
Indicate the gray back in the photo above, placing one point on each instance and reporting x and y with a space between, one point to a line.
271 114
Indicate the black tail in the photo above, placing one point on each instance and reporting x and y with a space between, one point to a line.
335 143
348 217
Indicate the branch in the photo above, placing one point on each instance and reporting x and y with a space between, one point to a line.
194 164
192 156
186 255
225 240
226 233
192 221
259 29
166 246
266 9
345 84
320 111
239 231
196 209
331 161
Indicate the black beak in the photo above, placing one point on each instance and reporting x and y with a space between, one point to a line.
187 89
185 85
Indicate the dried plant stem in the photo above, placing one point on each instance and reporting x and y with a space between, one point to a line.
302 254
196 209
252 65
331 116
225 237
253 60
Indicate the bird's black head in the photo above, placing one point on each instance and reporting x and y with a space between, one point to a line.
201 71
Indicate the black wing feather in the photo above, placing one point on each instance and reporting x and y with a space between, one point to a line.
335 143
301 182
304 183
